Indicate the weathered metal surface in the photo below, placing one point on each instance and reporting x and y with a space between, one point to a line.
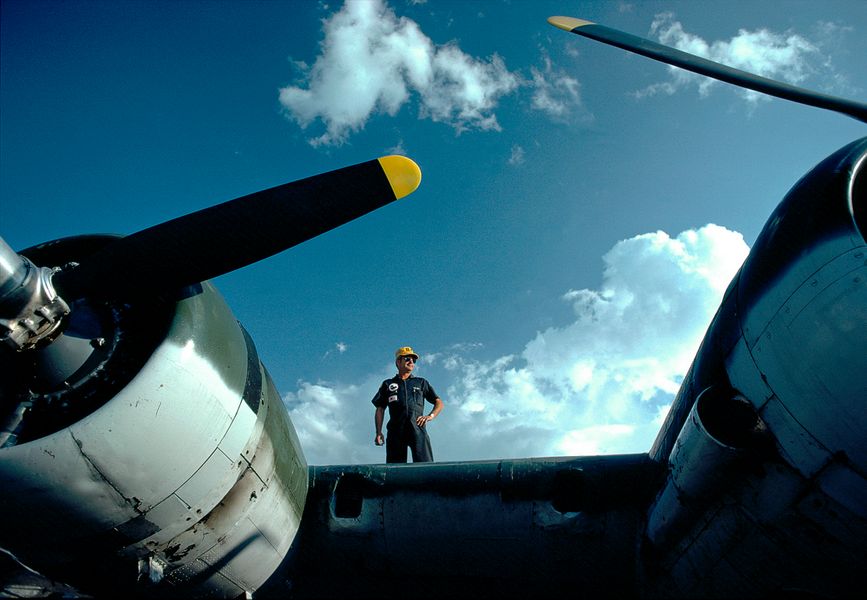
706 454
791 337
531 526
177 474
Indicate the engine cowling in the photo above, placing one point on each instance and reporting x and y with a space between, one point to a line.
159 441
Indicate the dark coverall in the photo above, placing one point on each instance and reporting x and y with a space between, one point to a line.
405 401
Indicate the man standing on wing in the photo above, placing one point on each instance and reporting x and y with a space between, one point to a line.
404 395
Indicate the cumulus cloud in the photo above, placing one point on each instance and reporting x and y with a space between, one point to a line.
326 418
599 384
371 62
783 56
374 62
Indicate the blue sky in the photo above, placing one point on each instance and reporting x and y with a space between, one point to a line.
580 212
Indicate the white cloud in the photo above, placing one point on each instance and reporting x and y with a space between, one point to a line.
398 148
463 91
372 62
554 91
783 56
591 441
599 384
328 420
517 156
832 39
339 347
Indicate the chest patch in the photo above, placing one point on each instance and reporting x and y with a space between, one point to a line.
392 387
392 398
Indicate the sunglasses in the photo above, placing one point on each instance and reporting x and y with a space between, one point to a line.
408 359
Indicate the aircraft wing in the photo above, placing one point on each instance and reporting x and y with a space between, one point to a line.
476 529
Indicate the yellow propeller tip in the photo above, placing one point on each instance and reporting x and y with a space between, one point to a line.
568 23
402 173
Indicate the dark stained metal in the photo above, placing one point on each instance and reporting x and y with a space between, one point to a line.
483 529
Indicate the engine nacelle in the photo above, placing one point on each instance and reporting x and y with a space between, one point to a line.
181 465
791 338
716 438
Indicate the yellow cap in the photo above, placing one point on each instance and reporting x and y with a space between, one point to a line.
405 351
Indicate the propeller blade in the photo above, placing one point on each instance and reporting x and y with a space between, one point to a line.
225 237
690 62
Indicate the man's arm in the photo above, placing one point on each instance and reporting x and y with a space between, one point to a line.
377 420
438 406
